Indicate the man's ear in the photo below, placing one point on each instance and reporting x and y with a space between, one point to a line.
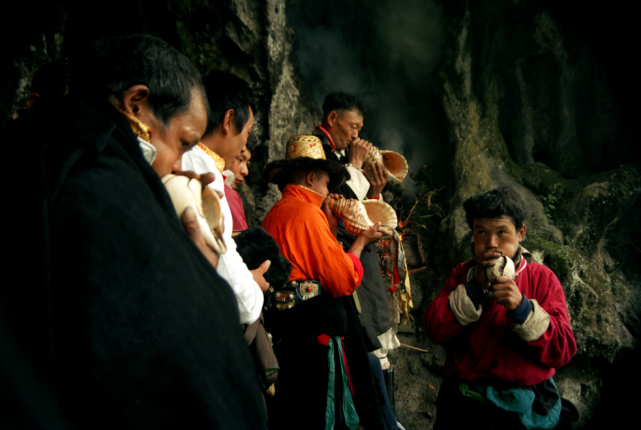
136 99
32 100
228 122
310 177
522 233
331 118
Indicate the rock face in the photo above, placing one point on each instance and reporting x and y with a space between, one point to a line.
527 102
528 109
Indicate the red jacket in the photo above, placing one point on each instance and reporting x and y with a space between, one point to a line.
489 348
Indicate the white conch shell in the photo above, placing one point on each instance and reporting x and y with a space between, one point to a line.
503 266
394 162
358 216
185 192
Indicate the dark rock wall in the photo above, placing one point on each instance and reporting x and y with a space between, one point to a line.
534 95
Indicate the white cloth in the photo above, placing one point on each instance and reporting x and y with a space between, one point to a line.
230 265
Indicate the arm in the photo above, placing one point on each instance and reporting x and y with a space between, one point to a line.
547 328
441 323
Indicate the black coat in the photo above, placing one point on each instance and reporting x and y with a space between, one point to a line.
117 321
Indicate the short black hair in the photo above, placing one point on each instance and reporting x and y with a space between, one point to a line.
495 204
227 91
111 66
51 81
251 143
294 170
341 101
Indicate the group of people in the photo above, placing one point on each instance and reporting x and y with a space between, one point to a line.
124 317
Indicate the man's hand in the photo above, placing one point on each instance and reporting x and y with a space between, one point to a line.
205 178
358 151
506 293
376 174
190 223
332 219
484 261
258 275
372 234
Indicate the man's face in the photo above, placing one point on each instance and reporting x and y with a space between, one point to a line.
494 234
239 166
345 127
181 133
231 144
319 183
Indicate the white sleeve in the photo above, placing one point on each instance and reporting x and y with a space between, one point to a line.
358 182
248 294
230 265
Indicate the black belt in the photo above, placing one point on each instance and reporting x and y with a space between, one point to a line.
294 293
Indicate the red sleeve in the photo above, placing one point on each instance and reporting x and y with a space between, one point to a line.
357 265
440 322
378 197
557 345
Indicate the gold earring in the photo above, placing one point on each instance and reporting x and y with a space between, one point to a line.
139 128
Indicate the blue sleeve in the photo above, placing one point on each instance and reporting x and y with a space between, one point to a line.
476 293
520 314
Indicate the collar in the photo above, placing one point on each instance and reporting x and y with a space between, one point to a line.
329 137
218 160
302 193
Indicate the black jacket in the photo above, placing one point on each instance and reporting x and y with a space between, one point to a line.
117 321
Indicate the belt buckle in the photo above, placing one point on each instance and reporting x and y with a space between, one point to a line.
308 289
283 300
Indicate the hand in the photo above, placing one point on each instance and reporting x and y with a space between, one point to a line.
358 151
376 174
205 178
372 234
190 224
332 219
486 260
258 275
506 293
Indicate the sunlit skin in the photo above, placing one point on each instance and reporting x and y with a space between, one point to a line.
240 166
180 134
226 140
494 237
344 126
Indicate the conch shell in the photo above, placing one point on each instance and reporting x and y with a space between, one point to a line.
186 192
394 162
503 266
358 216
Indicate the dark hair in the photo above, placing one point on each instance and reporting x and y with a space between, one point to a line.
113 65
51 81
342 101
226 91
251 143
294 171
495 204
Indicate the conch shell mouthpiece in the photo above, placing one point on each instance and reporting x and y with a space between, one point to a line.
359 216
503 266
185 192
394 162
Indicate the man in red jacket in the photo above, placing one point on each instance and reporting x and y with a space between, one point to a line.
505 337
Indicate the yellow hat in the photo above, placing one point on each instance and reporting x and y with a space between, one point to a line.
305 146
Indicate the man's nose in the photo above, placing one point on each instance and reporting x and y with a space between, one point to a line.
493 241
243 169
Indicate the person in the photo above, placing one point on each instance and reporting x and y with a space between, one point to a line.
309 334
120 319
343 116
229 124
505 336
235 176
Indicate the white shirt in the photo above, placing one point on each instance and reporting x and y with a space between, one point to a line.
230 265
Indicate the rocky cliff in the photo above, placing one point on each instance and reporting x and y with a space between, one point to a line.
527 96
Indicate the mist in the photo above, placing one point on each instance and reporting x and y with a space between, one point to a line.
387 53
